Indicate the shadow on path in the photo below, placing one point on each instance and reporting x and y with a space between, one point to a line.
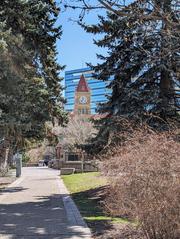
12 190
90 205
45 218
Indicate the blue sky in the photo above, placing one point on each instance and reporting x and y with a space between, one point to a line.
76 46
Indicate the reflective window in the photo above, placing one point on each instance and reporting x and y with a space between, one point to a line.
98 88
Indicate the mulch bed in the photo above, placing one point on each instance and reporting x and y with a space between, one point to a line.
121 232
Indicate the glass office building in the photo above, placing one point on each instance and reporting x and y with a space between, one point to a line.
98 88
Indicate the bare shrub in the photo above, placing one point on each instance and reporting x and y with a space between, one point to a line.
38 152
145 179
77 132
35 153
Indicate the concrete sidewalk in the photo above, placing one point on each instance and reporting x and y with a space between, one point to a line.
37 206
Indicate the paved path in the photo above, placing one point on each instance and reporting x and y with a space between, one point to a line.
37 206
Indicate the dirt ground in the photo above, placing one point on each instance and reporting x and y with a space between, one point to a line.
106 229
5 181
121 232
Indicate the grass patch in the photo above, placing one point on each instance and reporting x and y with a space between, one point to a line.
83 181
88 191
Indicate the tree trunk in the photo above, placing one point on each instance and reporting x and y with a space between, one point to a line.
166 86
4 154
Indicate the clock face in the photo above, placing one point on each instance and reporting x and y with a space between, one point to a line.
83 100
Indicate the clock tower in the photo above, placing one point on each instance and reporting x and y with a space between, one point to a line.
82 104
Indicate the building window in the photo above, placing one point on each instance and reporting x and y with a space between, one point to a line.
98 88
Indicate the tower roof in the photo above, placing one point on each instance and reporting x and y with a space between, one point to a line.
82 85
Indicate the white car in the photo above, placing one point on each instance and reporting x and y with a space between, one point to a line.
41 163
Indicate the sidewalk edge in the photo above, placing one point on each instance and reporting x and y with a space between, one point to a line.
73 214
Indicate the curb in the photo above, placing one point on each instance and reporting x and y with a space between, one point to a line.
73 215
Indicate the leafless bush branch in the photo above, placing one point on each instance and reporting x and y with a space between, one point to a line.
77 132
145 179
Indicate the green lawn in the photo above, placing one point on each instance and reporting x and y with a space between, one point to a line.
87 190
83 181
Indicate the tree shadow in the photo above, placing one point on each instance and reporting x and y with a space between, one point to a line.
90 205
45 218
12 190
3 184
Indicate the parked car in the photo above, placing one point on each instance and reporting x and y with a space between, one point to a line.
41 163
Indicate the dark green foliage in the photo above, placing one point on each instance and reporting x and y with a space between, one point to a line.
143 59
30 90
143 42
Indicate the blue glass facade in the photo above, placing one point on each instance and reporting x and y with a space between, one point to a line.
98 88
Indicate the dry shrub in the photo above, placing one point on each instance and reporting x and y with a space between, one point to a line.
77 132
144 175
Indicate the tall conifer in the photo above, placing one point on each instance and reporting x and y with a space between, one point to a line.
143 41
30 90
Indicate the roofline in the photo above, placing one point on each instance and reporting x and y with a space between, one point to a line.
81 70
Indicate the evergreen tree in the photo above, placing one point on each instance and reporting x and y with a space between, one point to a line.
30 90
143 41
